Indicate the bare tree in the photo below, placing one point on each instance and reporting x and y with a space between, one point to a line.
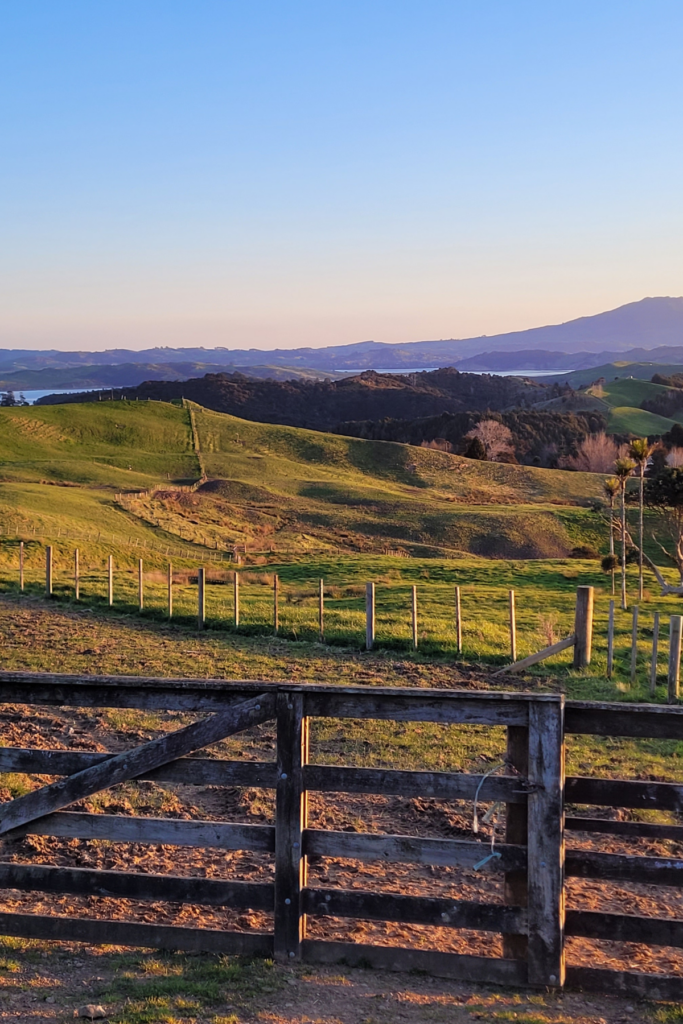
495 437
675 458
597 453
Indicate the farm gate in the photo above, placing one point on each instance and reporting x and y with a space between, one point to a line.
530 862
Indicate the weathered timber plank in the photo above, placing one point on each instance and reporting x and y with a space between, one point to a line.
136 885
444 913
627 983
653 931
458 966
128 933
664 796
600 719
290 819
516 889
533 659
193 771
546 844
442 785
120 828
620 867
444 852
418 707
132 763
636 829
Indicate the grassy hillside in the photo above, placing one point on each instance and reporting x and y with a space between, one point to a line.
610 371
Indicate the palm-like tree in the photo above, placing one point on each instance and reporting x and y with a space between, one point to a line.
622 470
640 451
611 488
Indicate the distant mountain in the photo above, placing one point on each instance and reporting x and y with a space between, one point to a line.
635 331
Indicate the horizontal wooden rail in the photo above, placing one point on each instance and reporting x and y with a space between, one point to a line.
623 868
652 931
427 910
192 771
645 720
663 796
459 966
136 885
129 933
626 983
119 828
634 829
418 706
443 852
442 785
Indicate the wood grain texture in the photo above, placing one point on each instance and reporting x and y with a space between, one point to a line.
626 983
444 852
621 867
127 933
599 719
133 763
441 785
290 821
516 827
533 659
429 961
665 796
625 928
635 829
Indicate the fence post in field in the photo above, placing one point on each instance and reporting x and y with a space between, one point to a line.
516 828
236 597
634 644
653 663
48 570
513 628
276 605
170 590
201 597
610 641
141 585
545 838
583 627
290 821
110 580
674 656
413 611
21 565
321 610
458 621
369 616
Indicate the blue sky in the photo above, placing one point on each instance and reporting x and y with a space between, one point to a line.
278 174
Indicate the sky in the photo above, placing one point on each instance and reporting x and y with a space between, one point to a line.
263 174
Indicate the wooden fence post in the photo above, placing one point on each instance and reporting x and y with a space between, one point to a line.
369 616
141 585
201 597
516 828
413 607
674 656
169 584
290 821
545 839
458 621
610 641
77 576
653 663
513 627
634 644
276 605
48 570
236 597
21 565
583 627
321 610
110 580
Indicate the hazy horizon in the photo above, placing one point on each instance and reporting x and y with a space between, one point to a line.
260 176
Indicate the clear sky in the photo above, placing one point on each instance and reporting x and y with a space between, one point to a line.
266 173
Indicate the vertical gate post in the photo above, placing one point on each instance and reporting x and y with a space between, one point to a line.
674 656
48 570
290 820
516 828
201 598
369 616
583 627
546 842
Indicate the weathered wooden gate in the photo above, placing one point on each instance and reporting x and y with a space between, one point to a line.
531 860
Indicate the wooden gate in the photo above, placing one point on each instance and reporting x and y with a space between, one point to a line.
530 860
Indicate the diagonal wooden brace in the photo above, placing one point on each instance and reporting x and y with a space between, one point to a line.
133 763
